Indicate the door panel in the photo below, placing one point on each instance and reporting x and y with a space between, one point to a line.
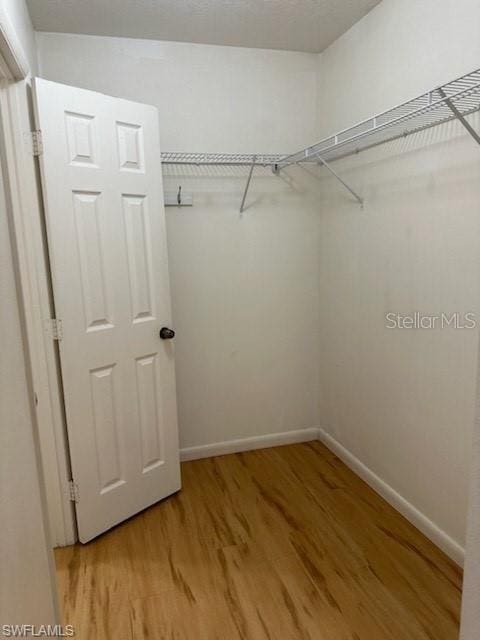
102 184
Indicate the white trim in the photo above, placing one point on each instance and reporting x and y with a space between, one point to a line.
416 517
470 617
34 281
248 444
11 50
10 193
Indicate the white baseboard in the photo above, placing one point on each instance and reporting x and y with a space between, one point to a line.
416 517
248 444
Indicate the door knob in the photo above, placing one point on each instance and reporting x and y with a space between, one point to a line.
166 333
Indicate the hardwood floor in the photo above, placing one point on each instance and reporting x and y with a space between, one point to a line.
282 544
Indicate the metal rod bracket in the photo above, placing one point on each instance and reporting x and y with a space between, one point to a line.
341 180
460 117
252 166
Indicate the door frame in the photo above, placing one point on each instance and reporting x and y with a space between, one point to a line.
37 303
49 582
22 175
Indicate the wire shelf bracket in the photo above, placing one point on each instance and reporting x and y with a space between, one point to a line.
461 118
249 179
341 180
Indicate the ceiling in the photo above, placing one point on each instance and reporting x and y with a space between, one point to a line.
295 25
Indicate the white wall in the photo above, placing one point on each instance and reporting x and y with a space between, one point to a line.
210 98
244 288
402 402
16 12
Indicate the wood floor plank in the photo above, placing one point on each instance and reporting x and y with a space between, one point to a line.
353 502
92 590
193 605
167 617
275 598
372 610
405 561
284 543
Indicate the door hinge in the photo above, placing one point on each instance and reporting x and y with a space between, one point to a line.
73 491
35 142
55 328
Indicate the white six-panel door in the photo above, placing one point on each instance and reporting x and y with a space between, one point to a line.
102 184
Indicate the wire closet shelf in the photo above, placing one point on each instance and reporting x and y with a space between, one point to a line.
228 159
460 97
454 100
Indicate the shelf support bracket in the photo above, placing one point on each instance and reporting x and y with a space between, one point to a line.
460 117
252 166
341 180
